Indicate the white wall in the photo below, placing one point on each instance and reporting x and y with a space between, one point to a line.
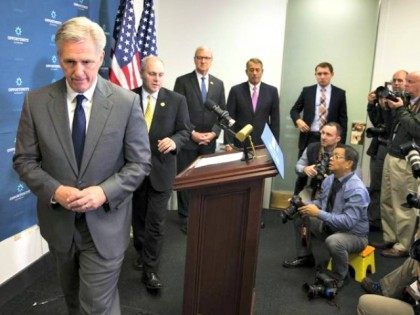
235 30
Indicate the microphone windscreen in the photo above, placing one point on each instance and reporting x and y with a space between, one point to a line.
209 104
242 134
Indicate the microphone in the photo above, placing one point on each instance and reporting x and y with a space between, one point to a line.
242 134
223 114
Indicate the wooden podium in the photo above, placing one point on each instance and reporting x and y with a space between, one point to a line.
223 231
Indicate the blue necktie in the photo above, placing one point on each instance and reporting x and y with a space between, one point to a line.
203 89
79 129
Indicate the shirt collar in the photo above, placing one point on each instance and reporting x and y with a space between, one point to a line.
345 177
199 76
327 88
88 94
251 86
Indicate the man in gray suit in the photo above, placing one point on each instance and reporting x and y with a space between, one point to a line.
198 86
82 148
166 116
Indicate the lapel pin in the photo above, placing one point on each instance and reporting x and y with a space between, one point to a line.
162 104
211 82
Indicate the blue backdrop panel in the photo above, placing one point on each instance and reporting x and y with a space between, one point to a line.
29 61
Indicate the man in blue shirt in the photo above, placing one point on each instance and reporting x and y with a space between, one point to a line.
338 216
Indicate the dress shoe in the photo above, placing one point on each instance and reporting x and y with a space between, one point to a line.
138 264
304 261
394 253
382 245
151 280
371 287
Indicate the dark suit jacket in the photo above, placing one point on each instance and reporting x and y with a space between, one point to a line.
202 119
239 105
337 110
170 119
116 157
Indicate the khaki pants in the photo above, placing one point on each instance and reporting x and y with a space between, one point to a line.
372 304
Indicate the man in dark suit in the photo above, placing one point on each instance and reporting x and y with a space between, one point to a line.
198 86
82 149
320 103
167 119
254 102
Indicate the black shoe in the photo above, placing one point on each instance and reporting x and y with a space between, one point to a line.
151 280
371 286
382 245
304 261
262 224
138 264
184 228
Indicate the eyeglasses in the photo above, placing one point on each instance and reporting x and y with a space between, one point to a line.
337 157
202 58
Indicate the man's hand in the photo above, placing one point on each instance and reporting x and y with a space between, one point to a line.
228 148
310 170
87 199
310 210
202 138
166 145
62 195
371 97
302 126
394 105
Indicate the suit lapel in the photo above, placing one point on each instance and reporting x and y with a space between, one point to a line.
101 108
60 119
160 106
194 84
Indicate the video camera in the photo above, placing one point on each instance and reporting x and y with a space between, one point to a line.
324 286
292 210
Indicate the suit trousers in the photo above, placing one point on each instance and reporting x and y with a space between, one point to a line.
376 168
150 208
398 222
89 281
184 159
372 304
338 245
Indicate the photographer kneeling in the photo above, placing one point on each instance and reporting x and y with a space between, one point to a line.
397 292
338 216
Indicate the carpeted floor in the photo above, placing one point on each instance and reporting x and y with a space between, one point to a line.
278 290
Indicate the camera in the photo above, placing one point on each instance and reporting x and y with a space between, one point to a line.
384 92
376 131
292 209
411 152
413 201
322 168
324 286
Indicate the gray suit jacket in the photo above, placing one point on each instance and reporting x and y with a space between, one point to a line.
116 157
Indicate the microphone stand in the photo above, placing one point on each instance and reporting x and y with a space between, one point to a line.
247 155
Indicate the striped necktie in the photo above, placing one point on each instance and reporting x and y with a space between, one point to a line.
323 111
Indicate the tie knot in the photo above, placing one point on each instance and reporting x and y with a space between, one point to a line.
254 88
79 99
323 90
203 79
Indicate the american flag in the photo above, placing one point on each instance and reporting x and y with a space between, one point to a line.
129 45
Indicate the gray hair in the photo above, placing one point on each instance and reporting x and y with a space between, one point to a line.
78 29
